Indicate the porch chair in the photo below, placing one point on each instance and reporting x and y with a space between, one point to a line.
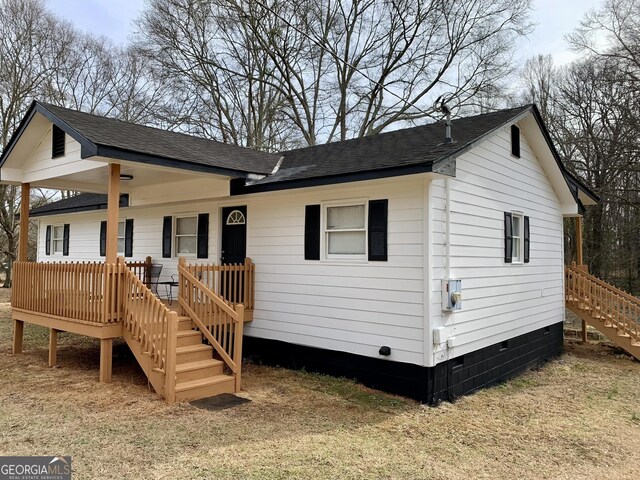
155 269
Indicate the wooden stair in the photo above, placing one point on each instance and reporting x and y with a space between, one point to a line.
170 348
611 311
198 374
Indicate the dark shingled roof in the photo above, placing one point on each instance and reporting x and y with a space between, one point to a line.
399 152
408 147
136 138
78 203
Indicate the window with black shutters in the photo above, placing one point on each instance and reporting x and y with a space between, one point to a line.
355 230
516 238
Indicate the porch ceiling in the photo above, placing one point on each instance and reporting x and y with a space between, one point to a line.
97 179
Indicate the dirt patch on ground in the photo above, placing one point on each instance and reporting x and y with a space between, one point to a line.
578 417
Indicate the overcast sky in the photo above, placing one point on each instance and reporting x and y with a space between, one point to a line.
555 18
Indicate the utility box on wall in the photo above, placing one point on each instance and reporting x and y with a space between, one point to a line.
451 295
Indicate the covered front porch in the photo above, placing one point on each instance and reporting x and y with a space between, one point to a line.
189 345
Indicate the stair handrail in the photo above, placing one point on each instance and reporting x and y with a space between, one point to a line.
149 321
602 283
214 317
599 297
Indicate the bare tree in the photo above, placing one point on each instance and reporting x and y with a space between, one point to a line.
28 58
328 70
209 60
593 109
612 32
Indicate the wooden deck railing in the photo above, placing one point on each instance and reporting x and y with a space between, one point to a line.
78 291
148 320
603 301
141 269
216 318
233 282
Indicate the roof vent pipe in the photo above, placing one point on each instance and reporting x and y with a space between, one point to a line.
441 105
447 129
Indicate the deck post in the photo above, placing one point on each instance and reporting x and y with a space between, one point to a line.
106 359
237 346
170 358
23 239
147 271
53 346
113 205
18 333
579 258
580 261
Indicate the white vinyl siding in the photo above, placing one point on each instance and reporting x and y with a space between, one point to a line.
40 165
499 301
355 307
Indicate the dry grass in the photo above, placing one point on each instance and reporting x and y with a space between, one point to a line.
578 417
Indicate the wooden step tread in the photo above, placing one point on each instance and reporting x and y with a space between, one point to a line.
204 382
183 318
193 348
188 333
187 367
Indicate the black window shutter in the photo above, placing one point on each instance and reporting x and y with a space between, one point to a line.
166 236
527 242
57 142
378 230
508 237
312 232
103 238
128 237
65 240
47 241
515 141
203 235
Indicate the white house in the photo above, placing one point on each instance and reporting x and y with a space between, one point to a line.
353 242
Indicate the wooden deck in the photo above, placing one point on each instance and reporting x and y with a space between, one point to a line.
185 347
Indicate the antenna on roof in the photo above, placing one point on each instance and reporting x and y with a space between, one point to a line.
440 105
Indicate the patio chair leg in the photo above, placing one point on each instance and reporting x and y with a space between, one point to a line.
53 346
106 358
18 332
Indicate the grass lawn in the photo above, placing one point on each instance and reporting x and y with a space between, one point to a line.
578 417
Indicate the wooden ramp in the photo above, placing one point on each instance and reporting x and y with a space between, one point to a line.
606 308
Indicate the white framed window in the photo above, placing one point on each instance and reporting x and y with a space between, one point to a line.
57 239
345 231
186 236
121 236
517 233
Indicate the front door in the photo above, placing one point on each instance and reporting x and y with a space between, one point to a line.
233 252
234 235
